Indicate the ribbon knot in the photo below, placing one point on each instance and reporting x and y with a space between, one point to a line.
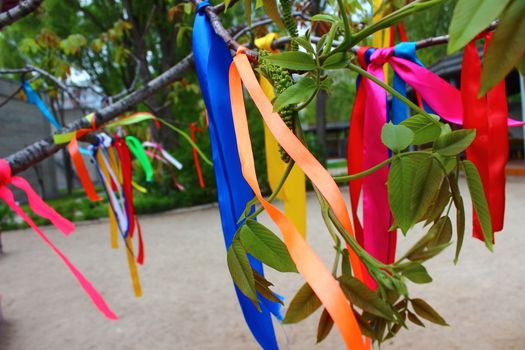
381 56
202 5
5 173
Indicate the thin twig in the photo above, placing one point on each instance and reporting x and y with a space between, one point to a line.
24 8
10 97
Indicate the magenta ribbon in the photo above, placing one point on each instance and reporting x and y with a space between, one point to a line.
442 97
376 212
40 208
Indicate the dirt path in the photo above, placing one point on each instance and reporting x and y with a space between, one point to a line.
189 303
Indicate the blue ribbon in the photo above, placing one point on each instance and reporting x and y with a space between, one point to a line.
32 97
400 111
212 62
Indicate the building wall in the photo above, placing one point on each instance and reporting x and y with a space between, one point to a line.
21 124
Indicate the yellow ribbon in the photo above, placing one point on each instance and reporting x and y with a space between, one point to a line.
115 166
380 38
293 193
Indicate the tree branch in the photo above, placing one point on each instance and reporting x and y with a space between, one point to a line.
44 148
24 8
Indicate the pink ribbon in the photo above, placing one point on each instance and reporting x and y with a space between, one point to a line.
376 212
42 209
442 97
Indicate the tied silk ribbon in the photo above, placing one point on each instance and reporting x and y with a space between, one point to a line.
293 192
193 134
308 263
490 149
365 150
32 97
111 177
441 97
76 156
40 208
212 62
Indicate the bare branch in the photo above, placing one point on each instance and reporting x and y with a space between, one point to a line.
24 8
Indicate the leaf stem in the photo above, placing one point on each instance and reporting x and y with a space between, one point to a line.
276 191
348 178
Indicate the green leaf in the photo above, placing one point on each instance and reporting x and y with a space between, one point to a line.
241 271
414 319
270 8
454 143
298 92
325 17
440 201
295 60
346 268
365 326
400 183
304 303
428 253
425 128
424 310
470 18
479 201
264 245
506 48
443 232
304 43
417 274
335 61
262 287
419 250
396 137
361 296
460 214
325 326
521 66
320 44
427 181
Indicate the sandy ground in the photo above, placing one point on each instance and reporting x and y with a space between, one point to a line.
189 302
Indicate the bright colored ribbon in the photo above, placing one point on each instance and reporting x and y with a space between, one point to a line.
117 205
32 97
212 62
490 149
168 157
193 134
136 147
293 192
308 263
76 156
366 150
40 208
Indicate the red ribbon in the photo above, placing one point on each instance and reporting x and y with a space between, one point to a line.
193 133
40 208
127 187
490 149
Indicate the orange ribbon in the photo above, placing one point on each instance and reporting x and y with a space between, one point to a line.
308 263
78 161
